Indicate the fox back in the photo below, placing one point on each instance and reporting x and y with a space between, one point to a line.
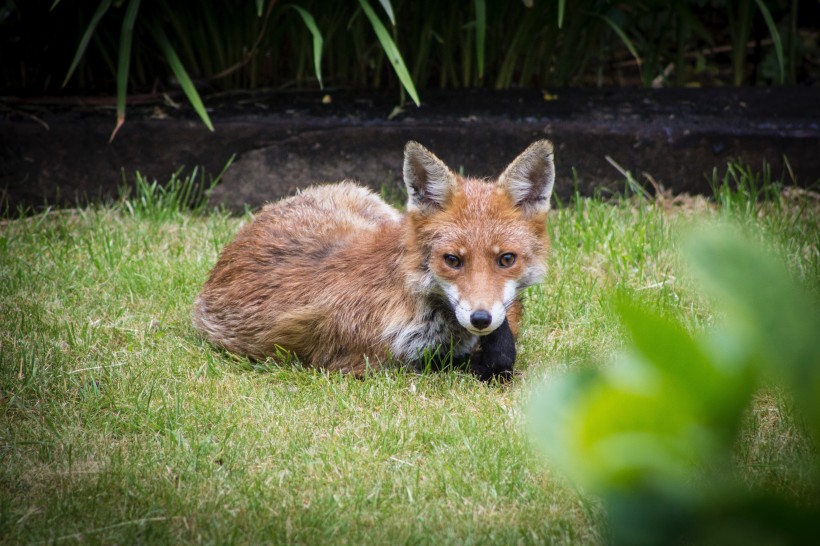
346 282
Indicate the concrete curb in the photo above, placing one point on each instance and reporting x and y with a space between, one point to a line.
287 141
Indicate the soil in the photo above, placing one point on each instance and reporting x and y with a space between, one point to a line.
57 151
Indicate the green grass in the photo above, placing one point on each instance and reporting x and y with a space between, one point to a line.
119 425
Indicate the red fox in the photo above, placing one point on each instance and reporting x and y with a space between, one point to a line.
346 282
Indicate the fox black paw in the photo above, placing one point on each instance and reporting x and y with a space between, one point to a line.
486 374
496 358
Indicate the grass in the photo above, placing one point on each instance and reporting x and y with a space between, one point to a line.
119 425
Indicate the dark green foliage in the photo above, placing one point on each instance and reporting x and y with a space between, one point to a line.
239 44
137 46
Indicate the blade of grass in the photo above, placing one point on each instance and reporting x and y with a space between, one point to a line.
631 183
778 45
388 8
259 6
126 40
318 42
391 51
561 6
480 34
181 75
89 32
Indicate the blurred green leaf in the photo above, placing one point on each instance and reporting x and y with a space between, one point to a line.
711 386
102 8
652 416
318 42
181 75
391 51
774 320
259 7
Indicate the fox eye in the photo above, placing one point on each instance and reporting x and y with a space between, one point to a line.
452 261
506 260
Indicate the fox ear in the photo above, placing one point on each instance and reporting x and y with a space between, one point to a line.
429 182
530 177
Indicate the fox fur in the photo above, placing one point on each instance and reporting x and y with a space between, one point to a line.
346 282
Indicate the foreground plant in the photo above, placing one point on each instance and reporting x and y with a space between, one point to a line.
653 432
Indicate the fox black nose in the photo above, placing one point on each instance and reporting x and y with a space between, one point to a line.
481 319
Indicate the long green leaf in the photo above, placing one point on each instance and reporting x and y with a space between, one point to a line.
561 6
318 42
480 34
89 31
391 51
778 45
259 6
181 75
123 64
388 8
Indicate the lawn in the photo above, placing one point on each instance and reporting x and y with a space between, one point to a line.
119 425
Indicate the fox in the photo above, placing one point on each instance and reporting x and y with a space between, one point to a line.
345 282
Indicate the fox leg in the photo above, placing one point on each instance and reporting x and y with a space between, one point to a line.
496 357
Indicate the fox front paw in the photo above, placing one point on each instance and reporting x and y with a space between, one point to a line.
496 358
487 374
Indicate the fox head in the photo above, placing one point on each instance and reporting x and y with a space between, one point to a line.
481 243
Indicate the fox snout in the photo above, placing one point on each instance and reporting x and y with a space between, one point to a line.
478 315
480 321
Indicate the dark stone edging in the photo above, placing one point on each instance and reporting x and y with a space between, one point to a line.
286 141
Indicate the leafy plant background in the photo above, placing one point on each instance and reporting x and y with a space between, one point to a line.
149 46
